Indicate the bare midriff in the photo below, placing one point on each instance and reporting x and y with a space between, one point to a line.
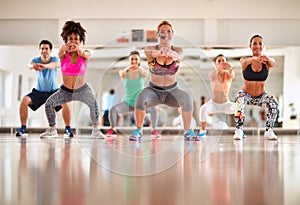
73 82
165 80
254 88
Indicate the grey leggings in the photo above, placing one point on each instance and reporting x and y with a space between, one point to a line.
83 94
123 108
264 100
172 96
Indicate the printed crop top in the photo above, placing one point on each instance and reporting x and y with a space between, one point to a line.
250 75
73 69
158 69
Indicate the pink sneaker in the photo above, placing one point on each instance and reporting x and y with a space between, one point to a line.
155 134
111 133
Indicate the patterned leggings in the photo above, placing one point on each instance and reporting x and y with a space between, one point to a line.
264 100
83 94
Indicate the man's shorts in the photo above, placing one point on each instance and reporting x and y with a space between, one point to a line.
39 98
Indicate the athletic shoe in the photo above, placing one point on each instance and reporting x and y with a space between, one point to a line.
190 135
239 134
96 133
270 135
155 134
202 133
21 132
136 135
50 132
68 132
111 133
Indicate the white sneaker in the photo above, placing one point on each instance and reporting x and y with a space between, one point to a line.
50 132
238 134
270 135
96 133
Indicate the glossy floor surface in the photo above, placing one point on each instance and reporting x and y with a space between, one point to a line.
169 171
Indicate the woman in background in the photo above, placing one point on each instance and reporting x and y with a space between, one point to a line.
133 78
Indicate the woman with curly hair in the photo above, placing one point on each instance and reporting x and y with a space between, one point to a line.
74 88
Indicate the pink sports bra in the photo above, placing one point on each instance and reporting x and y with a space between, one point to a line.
163 70
158 69
73 69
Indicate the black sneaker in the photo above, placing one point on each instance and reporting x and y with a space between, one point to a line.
21 132
68 132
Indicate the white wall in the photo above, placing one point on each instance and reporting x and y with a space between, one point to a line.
204 22
138 9
291 86
199 23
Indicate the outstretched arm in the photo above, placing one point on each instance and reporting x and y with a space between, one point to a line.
40 66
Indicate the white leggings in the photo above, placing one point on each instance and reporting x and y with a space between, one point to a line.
212 108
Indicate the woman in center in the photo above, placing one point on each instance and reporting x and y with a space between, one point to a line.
163 60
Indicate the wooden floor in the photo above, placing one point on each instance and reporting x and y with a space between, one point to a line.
169 171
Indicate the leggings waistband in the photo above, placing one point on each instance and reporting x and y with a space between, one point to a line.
163 87
74 90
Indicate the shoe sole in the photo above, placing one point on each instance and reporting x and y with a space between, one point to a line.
22 135
273 138
68 135
49 136
135 139
112 135
192 138
98 137
155 136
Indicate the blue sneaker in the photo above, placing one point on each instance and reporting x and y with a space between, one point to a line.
202 133
136 135
190 135
68 133
21 132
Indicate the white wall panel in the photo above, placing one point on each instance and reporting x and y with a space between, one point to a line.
27 31
274 31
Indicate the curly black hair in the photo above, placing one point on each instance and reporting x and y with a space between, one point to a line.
73 27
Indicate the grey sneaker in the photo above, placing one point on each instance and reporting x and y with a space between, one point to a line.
96 133
50 133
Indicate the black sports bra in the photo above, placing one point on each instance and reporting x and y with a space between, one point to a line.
250 75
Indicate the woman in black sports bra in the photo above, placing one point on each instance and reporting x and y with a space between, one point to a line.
255 72
163 60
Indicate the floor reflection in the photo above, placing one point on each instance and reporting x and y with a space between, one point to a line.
216 170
